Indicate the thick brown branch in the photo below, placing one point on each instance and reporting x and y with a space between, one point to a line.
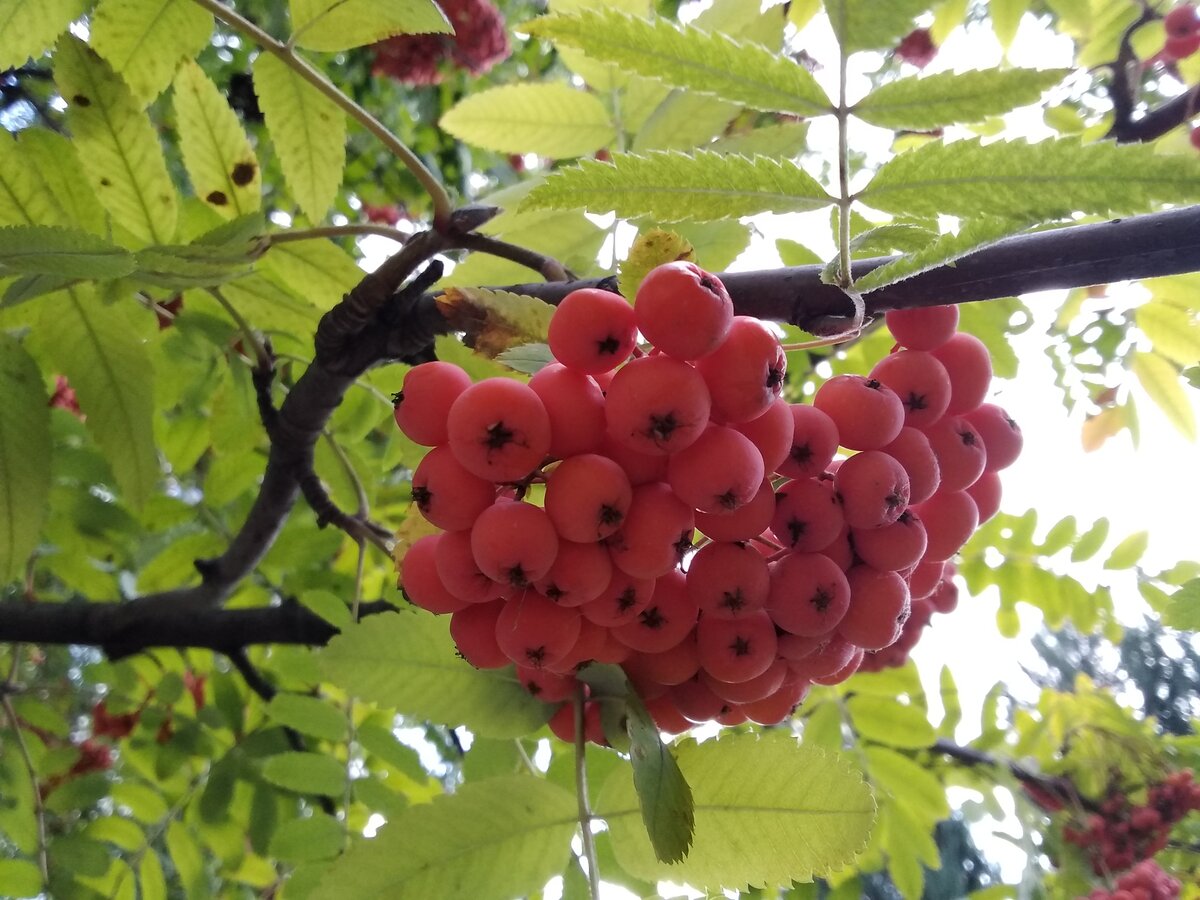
1164 243
1158 121
162 623
1060 788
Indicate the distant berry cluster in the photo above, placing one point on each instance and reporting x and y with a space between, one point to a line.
1123 833
478 43
1145 881
570 504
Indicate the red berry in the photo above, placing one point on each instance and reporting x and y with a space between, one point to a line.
514 543
665 622
575 406
879 607
867 413
727 580
970 368
809 594
534 631
924 327
960 452
772 434
621 602
592 330
743 524
474 631
447 494
424 402
1001 435
657 405
917 47
911 449
814 441
499 430
656 534
1182 21
587 497
920 381
718 473
874 489
736 650
682 310
745 374
808 516
420 581
460 573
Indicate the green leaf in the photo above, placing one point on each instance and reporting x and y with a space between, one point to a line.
152 881
793 253
911 786
146 40
320 836
305 773
950 703
20 877
490 840
974 234
189 863
25 448
23 200
650 249
494 321
308 715
1159 378
550 119
53 169
527 358
768 811
781 140
198 264
1127 553
662 792
28 28
691 59
109 368
1090 541
684 121
1059 537
1173 330
332 25
1183 609
671 187
308 131
64 252
216 151
320 270
407 661
869 24
888 722
125 163
1006 18
1014 179
923 104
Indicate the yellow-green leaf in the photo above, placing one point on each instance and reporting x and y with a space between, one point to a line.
218 156
1183 609
96 347
308 131
673 187
146 40
1173 329
30 27
650 249
1127 553
910 785
24 200
308 715
490 840
407 661
768 811
494 321
550 119
689 58
332 25
24 456
1160 380
67 252
305 773
125 163
319 271
889 722
868 24
52 168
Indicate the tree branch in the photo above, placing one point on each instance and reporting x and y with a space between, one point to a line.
162 623
1158 121
1060 788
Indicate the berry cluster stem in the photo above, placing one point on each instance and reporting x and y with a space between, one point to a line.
442 206
581 793
39 810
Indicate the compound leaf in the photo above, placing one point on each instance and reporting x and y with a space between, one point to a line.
333 25
672 187
65 252
868 24
923 104
30 27
1032 182
308 131
768 811
145 40
125 163
407 661
1159 378
689 58
25 448
548 119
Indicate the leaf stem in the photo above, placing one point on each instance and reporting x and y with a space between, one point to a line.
39 809
334 231
581 793
844 199
442 206
262 359
351 732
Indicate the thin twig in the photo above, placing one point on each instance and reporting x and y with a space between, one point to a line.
336 231
546 266
581 793
262 358
1061 788
351 731
284 51
39 808
1124 90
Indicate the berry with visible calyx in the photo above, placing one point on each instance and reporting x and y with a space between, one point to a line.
809 594
498 429
682 310
808 515
666 620
514 543
743 524
1001 435
423 403
420 580
737 649
587 497
728 580
960 451
814 442
879 607
921 383
534 631
447 494
592 331
718 473
868 414
969 365
745 374
874 489
657 405
656 534
1182 21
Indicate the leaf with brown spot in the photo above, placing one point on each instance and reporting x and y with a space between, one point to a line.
494 321
651 249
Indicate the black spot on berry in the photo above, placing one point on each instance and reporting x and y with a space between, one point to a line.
243 173
740 646
774 378
397 398
895 499
627 599
536 656
801 454
499 436
217 198
610 515
652 618
915 401
608 346
683 544
422 497
516 577
874 384
732 601
554 592
662 427
533 687
821 599
968 437
728 500
796 529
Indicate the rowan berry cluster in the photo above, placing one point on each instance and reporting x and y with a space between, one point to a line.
1145 881
1182 25
1123 833
479 42
809 563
